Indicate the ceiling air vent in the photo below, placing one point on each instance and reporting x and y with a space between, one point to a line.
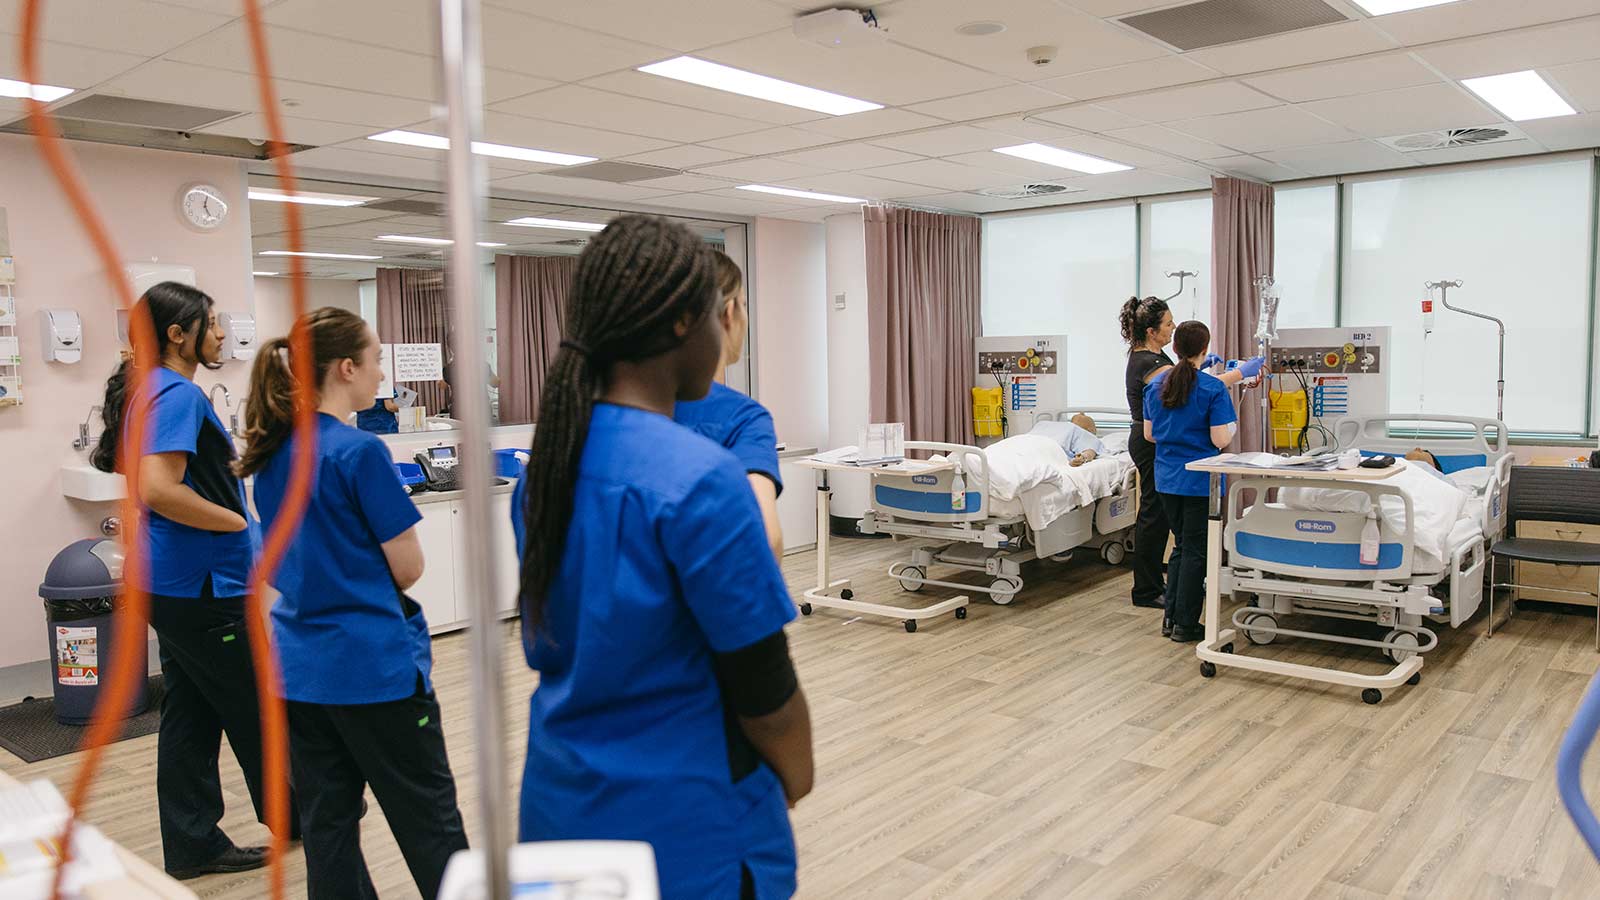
1215 22
410 207
616 172
105 119
1452 137
569 242
1029 191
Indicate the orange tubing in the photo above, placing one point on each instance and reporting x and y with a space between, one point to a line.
122 675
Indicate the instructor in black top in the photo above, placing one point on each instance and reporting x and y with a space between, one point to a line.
1147 327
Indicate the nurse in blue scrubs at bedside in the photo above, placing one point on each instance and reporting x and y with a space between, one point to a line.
201 543
355 649
668 709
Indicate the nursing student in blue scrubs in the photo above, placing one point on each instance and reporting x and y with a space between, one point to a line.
201 546
355 650
668 710
1190 416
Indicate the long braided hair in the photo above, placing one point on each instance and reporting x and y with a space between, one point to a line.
634 282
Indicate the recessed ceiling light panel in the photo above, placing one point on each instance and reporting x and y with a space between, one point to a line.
803 195
21 90
1063 159
564 224
430 241
1520 96
738 81
482 148
310 198
317 255
1385 7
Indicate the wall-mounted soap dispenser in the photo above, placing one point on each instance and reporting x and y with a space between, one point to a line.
62 331
239 340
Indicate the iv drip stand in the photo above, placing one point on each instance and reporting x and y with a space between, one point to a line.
1180 275
1266 332
1500 382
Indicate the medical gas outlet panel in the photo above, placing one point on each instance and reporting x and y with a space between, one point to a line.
1341 359
1321 375
1030 372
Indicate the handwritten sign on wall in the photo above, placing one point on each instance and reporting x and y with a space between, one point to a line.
418 362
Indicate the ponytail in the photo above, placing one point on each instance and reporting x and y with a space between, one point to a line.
634 282
1139 317
104 455
1190 340
268 408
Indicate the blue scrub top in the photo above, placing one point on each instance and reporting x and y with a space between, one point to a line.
341 625
183 557
666 563
738 423
376 419
1183 435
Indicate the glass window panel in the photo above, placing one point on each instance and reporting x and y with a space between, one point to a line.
1177 236
1305 261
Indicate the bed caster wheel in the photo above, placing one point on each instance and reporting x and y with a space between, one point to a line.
911 626
847 594
1113 553
1208 669
1003 590
1371 696
1227 648
911 578
805 609
961 612
1406 640
1415 679
1259 637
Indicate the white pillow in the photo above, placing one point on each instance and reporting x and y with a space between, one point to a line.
1116 442
1474 480
1021 463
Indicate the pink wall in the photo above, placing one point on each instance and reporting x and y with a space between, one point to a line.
273 301
137 191
791 329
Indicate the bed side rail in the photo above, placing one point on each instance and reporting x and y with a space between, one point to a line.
1372 433
1302 543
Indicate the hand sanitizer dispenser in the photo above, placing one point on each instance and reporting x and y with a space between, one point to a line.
62 332
240 339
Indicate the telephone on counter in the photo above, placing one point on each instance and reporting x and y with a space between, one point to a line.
439 468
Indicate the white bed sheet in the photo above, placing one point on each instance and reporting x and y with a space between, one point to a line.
1437 504
1079 486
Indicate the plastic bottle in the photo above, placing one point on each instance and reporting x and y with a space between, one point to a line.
1369 540
958 492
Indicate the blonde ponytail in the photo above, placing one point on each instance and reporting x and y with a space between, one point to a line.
269 408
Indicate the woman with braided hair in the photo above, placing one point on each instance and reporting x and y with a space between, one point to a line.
668 710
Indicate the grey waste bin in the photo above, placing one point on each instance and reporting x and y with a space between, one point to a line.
81 589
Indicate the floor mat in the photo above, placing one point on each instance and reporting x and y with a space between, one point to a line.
30 730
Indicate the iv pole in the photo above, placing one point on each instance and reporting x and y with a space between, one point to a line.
1180 275
1266 333
1500 383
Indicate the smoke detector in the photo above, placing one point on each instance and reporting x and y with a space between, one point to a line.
1029 191
1452 137
840 28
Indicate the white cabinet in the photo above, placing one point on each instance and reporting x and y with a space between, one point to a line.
508 572
797 507
436 590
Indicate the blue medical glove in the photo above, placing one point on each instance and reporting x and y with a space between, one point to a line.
1211 360
1251 367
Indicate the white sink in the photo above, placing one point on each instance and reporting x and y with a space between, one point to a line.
84 482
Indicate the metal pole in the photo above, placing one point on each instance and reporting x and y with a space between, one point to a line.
461 78
1500 382
1180 275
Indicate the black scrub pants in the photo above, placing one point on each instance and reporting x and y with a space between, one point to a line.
398 748
210 689
1186 576
1150 532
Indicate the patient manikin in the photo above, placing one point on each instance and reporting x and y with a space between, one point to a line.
1077 437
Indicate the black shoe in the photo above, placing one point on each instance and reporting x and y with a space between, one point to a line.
1150 603
1166 628
1184 634
233 859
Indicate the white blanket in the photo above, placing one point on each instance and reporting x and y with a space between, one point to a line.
1436 506
1032 474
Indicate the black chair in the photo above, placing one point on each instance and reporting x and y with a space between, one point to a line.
1549 495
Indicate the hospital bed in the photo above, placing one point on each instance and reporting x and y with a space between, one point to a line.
1298 553
1002 518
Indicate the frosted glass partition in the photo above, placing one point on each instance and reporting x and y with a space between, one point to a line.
1065 273
1305 255
1177 235
1518 237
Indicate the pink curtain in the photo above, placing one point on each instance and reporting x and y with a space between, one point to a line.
530 299
1241 249
923 309
412 310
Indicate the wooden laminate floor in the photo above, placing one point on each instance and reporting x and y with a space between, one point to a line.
1059 748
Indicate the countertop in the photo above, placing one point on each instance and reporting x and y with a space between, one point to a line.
447 496
797 453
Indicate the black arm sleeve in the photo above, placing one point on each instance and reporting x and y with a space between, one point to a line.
757 679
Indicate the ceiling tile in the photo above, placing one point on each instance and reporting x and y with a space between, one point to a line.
1404 111
499 84
296 130
1171 104
772 140
66 66
358 162
1343 79
584 188
849 157
1251 167
1295 48
519 131
182 83
1165 71
944 141
681 26
136 27
683 183
789 202
1199 174
1082 41
679 93
872 123
963 202
1504 150
1168 141
1131 184
318 60
759 171
817 214
551 50
886 73
1265 129
1109 8
682 157
1019 170
1471 17
1532 49
938 173
737 206
1566 132
398 24
578 105
1337 159
1579 83
850 184
1088 118
993 102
